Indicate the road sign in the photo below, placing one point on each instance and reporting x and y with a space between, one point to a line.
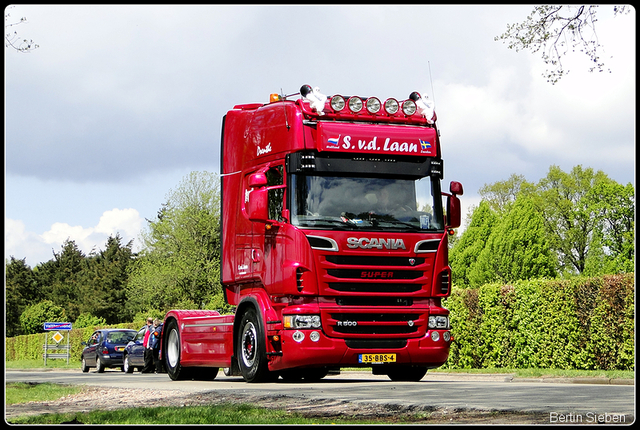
57 337
57 326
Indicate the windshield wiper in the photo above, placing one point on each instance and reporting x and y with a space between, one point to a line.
315 220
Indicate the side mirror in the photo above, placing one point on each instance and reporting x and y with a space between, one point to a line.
455 188
453 205
453 212
258 205
257 180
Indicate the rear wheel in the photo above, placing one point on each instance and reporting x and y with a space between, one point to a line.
251 350
172 349
127 365
99 365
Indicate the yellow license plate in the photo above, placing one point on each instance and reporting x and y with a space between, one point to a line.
376 358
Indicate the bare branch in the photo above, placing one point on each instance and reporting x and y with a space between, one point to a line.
554 30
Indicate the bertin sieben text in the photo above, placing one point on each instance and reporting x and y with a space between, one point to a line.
587 418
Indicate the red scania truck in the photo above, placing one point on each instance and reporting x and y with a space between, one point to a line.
334 243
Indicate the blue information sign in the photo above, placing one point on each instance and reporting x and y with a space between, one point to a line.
57 326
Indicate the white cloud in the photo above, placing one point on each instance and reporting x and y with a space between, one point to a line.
38 248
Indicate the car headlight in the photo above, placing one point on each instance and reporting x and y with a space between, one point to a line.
302 321
438 321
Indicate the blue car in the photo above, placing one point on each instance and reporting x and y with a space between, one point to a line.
105 349
134 352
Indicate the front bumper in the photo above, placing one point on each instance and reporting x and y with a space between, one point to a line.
297 349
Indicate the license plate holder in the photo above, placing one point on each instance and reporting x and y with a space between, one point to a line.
376 358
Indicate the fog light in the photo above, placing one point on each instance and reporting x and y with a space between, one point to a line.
298 336
446 336
435 336
314 336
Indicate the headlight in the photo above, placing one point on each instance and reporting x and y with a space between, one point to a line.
409 107
391 106
302 321
355 104
438 321
373 105
337 103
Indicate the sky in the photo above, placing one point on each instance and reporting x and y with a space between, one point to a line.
119 103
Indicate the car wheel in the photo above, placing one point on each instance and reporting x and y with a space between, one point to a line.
172 348
127 366
85 368
99 365
251 350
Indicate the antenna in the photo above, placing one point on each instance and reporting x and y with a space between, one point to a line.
433 94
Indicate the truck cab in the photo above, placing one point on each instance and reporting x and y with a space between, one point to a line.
334 241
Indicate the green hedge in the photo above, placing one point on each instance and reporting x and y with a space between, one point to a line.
31 347
582 323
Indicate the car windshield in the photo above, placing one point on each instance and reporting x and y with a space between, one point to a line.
120 337
333 202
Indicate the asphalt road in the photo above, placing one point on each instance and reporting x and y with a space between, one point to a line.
564 400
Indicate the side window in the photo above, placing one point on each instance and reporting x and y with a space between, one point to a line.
140 334
275 184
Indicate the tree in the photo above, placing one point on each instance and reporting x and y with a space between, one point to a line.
517 248
20 291
553 30
501 194
103 280
614 206
571 215
180 261
59 278
468 247
33 318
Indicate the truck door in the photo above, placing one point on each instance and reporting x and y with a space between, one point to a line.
267 247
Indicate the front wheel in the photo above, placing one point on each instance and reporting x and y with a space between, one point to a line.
251 349
172 349
407 373
85 367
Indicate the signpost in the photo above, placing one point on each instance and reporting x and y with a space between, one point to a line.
57 338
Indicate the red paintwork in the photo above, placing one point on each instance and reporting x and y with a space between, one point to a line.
260 262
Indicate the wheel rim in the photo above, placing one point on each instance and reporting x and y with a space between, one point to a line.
126 364
249 346
173 349
98 362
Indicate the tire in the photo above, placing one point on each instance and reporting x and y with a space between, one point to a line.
84 367
251 350
127 368
206 373
173 348
407 373
99 365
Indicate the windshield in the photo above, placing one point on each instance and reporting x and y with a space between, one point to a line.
328 202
